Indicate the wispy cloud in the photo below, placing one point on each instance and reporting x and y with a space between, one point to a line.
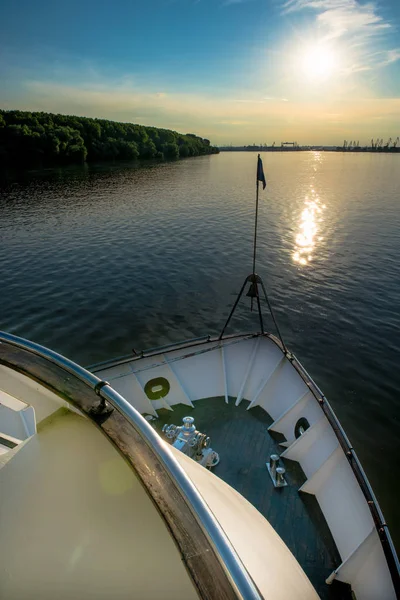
388 57
375 60
269 98
359 24
261 100
343 16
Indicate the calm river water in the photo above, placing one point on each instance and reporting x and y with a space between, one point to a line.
97 260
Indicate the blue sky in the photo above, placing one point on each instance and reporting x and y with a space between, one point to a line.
236 71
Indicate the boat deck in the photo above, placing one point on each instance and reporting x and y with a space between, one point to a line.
241 438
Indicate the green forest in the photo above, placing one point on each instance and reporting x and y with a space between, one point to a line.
46 139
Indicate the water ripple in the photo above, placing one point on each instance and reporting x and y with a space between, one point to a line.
96 260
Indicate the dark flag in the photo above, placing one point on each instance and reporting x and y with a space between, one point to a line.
260 172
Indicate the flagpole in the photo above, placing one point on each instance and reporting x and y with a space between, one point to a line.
256 221
254 279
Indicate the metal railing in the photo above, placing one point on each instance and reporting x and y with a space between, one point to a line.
354 462
190 343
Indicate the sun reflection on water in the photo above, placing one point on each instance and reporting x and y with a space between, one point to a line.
306 237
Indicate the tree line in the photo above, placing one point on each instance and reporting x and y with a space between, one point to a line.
45 139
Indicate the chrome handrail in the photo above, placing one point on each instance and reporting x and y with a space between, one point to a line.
234 569
223 547
54 357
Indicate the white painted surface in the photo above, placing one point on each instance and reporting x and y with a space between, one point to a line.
7 454
318 479
176 395
272 566
224 373
10 401
76 523
28 391
237 357
249 366
255 369
122 379
29 420
17 419
11 423
110 374
305 407
282 390
181 387
265 361
342 502
368 572
314 447
156 404
201 375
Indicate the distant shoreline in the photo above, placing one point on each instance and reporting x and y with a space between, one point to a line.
311 149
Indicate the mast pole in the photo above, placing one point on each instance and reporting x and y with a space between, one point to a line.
255 239
255 224
254 279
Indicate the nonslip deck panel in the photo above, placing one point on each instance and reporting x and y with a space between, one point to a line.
241 438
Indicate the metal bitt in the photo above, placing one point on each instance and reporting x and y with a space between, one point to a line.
191 442
273 462
280 480
276 472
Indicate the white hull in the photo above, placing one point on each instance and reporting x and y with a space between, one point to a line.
255 369
74 517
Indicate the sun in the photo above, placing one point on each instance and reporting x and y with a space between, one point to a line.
318 62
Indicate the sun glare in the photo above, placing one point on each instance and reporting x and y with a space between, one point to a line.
318 62
310 222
